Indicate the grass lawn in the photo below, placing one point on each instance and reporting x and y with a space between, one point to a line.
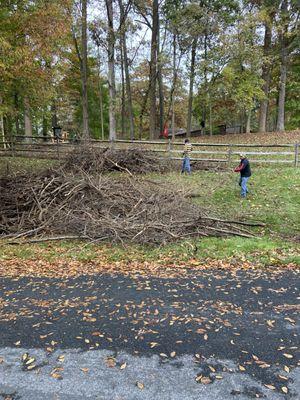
274 199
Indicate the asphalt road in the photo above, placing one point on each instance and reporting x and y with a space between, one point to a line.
209 335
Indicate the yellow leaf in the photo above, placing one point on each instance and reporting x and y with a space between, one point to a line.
286 368
30 361
198 378
288 355
205 337
211 368
123 366
140 385
173 354
56 375
31 366
241 368
285 378
18 343
153 344
219 377
205 380
270 387
85 370
284 389
163 355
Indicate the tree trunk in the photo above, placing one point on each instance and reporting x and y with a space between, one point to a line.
126 69
100 96
191 89
160 85
45 127
248 123
27 119
174 86
84 79
17 120
210 116
283 68
2 133
153 70
111 71
142 112
266 76
123 99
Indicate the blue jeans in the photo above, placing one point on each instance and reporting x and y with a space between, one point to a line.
186 166
243 184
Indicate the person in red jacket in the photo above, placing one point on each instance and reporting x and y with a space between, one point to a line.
244 169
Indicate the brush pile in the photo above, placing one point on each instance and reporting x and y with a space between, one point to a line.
95 160
103 208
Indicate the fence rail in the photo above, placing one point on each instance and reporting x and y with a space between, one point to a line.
46 147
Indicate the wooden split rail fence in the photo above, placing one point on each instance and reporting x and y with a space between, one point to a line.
45 147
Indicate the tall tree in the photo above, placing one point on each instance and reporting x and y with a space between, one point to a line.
123 15
153 70
83 67
111 69
268 14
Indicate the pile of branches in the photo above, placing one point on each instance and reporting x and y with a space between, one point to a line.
95 160
100 208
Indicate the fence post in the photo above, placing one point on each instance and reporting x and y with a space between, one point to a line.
296 154
169 148
57 148
12 146
229 154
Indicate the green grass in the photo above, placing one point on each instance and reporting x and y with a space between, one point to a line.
274 199
24 164
274 196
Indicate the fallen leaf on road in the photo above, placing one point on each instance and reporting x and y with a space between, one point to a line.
110 362
85 370
173 354
123 366
270 387
140 385
288 355
56 375
270 323
241 368
205 380
284 389
286 368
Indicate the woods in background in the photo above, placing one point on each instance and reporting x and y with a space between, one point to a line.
132 69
